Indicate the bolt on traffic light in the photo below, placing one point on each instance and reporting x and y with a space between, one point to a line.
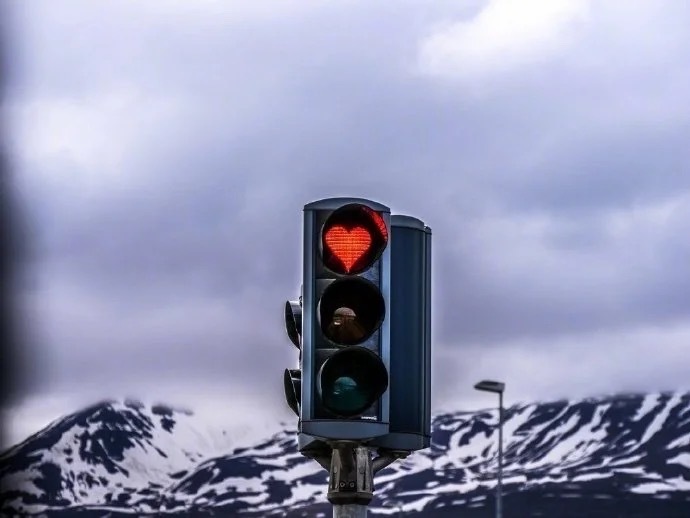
345 325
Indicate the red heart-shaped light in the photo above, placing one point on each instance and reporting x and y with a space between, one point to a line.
348 245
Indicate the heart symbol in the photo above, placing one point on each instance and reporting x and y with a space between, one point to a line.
348 245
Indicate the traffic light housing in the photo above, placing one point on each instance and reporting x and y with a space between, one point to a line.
345 320
410 335
363 327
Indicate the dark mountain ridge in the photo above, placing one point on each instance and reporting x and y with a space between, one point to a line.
623 455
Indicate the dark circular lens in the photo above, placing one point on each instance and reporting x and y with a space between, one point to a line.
350 311
351 381
353 238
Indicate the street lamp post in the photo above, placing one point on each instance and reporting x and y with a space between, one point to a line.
497 388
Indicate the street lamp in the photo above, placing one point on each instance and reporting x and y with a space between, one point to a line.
497 387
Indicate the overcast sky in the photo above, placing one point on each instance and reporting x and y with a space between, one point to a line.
162 153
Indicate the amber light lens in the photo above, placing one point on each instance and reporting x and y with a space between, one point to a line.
353 238
350 311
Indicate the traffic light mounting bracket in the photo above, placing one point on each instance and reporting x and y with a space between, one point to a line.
351 473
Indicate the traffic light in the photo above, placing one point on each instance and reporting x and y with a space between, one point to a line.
410 352
292 378
345 321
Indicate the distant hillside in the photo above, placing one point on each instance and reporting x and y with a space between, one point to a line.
625 455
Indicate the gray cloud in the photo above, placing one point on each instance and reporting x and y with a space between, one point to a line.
164 156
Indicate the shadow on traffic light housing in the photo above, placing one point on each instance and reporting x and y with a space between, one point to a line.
345 326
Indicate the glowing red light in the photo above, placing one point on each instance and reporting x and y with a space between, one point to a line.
348 245
378 221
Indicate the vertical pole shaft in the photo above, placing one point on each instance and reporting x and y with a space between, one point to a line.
499 486
350 511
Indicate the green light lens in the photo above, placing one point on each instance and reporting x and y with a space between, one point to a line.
347 395
351 381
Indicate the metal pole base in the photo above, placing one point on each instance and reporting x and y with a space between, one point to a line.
351 476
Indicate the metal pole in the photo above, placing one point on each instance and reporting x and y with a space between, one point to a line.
350 511
499 486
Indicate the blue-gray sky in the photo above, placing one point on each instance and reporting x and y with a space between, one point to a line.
163 150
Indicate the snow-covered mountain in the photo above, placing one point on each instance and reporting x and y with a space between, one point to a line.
626 455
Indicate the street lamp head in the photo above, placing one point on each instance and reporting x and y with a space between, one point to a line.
491 386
